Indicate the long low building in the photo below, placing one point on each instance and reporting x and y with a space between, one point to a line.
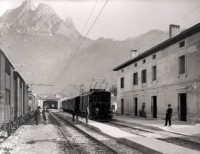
15 100
165 74
6 89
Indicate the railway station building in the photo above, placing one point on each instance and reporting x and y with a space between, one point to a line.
168 73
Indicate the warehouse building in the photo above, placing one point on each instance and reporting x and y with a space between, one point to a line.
6 89
15 103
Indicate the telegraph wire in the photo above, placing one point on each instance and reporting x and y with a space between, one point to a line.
65 59
94 77
82 41
89 16
188 14
194 9
110 70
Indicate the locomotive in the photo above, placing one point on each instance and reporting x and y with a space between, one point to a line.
99 102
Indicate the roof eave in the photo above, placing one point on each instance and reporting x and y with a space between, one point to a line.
192 30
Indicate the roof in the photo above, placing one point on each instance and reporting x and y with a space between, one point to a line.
188 32
2 49
16 74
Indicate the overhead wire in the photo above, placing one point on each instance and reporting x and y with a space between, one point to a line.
190 12
89 16
110 70
83 39
83 29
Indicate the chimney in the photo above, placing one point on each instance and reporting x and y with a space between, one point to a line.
173 30
133 54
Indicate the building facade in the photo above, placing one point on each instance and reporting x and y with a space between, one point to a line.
165 74
6 89
20 95
13 94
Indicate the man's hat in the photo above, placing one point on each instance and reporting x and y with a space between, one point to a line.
169 104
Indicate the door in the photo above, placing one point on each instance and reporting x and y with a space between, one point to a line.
122 106
135 106
182 107
154 106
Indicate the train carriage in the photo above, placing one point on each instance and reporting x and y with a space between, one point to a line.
69 104
99 102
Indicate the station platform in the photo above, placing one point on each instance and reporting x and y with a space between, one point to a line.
178 127
147 144
41 138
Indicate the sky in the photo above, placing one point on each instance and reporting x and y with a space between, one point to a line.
121 19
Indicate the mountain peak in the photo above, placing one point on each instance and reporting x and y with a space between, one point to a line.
69 23
45 9
28 4
41 20
68 20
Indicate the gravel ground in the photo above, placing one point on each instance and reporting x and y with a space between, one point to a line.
33 139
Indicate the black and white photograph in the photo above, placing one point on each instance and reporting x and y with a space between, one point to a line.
99 77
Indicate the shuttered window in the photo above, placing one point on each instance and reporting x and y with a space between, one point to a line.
7 66
122 82
182 64
154 73
144 76
7 97
135 78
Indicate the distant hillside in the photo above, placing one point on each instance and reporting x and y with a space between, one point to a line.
99 58
42 45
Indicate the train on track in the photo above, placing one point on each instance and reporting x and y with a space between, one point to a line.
99 102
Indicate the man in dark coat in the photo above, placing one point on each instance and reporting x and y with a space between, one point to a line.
37 115
168 115
75 112
87 113
44 115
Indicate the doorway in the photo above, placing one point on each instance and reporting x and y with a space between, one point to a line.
154 106
182 107
135 108
122 106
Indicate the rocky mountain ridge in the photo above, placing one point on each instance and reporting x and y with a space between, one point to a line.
40 20
42 45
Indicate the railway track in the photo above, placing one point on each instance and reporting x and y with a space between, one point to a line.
133 130
78 141
182 140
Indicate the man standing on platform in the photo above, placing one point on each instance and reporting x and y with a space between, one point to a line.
75 112
87 113
44 115
37 115
168 115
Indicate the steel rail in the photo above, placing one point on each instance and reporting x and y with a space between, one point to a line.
62 132
151 131
86 134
